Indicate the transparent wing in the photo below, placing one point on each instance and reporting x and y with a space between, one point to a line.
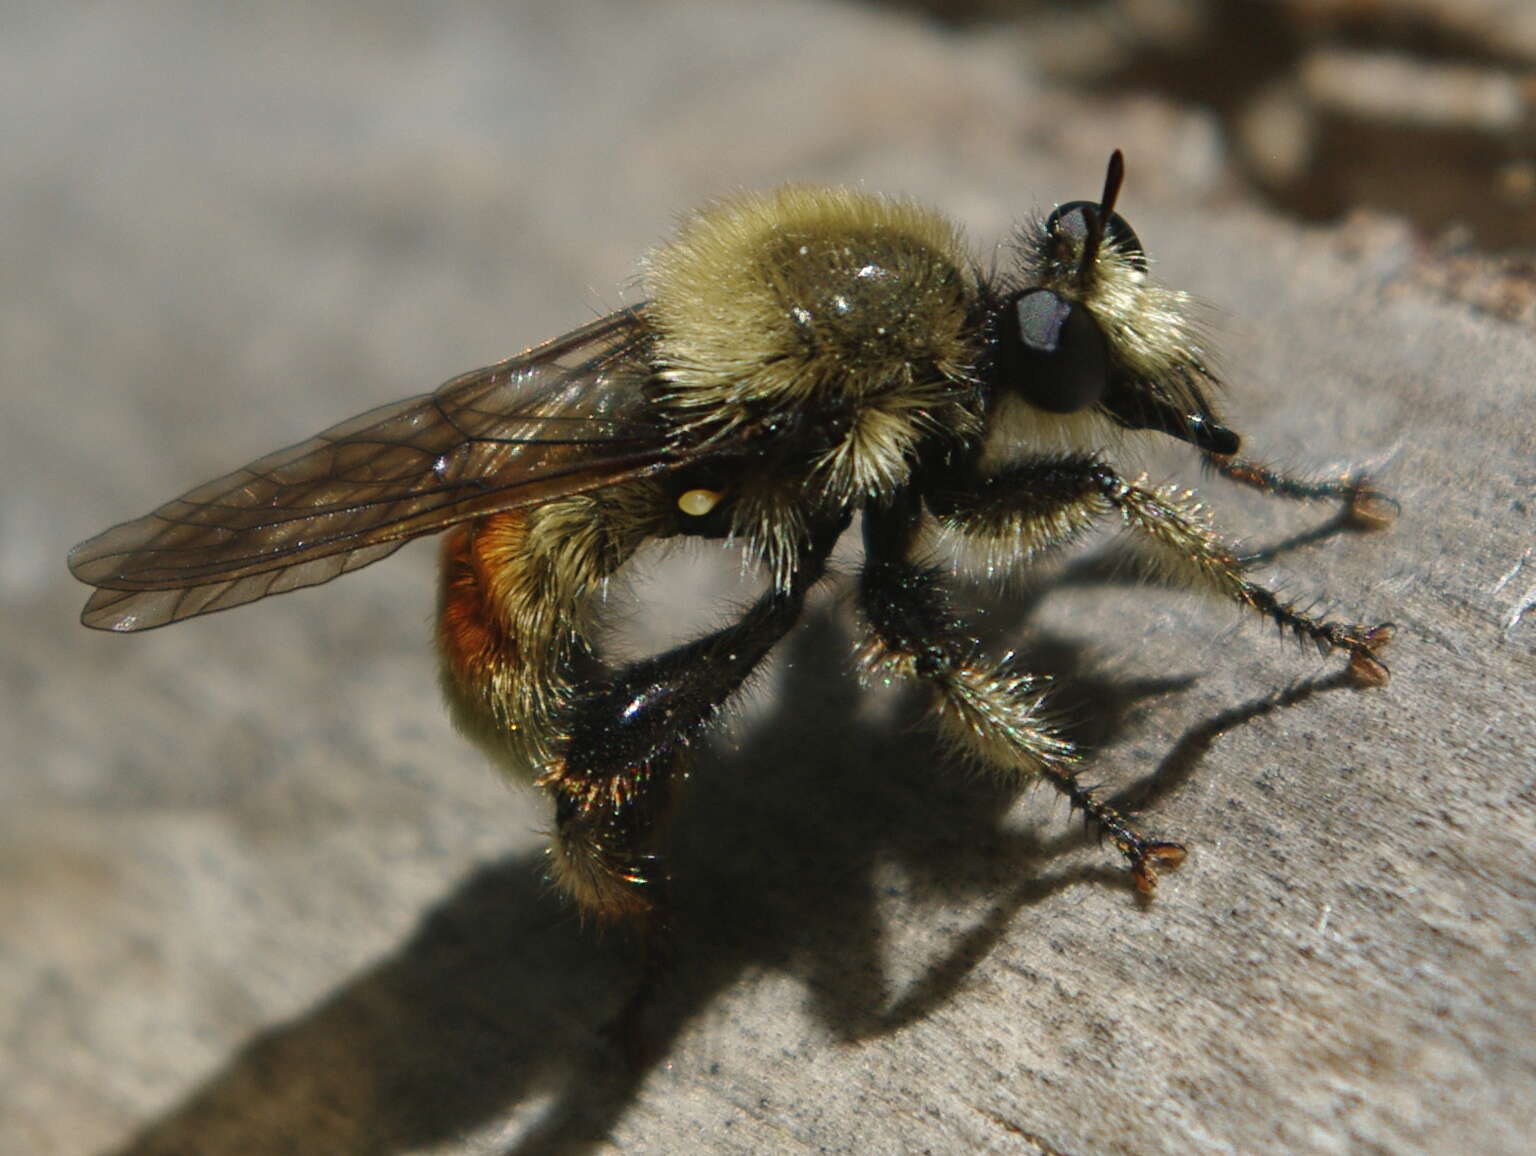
562 417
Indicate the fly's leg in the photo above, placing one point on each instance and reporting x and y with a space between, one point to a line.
1365 507
1176 523
988 709
625 744
1037 505
625 738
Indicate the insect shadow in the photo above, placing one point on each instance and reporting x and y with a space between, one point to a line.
786 850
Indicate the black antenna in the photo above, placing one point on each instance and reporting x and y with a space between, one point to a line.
1114 177
1095 219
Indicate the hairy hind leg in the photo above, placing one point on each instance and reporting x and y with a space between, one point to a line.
987 708
625 737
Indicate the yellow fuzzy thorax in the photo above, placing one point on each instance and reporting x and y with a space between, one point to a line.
772 300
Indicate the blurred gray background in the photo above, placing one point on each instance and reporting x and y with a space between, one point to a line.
256 896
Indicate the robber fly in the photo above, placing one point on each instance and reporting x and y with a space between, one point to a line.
802 357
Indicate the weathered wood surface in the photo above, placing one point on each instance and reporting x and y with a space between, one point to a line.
255 896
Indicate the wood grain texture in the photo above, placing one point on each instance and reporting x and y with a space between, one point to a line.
257 897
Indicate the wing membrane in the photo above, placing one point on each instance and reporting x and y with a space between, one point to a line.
559 418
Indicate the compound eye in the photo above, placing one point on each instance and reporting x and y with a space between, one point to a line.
1071 221
1053 352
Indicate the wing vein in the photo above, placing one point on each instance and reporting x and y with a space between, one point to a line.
562 417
